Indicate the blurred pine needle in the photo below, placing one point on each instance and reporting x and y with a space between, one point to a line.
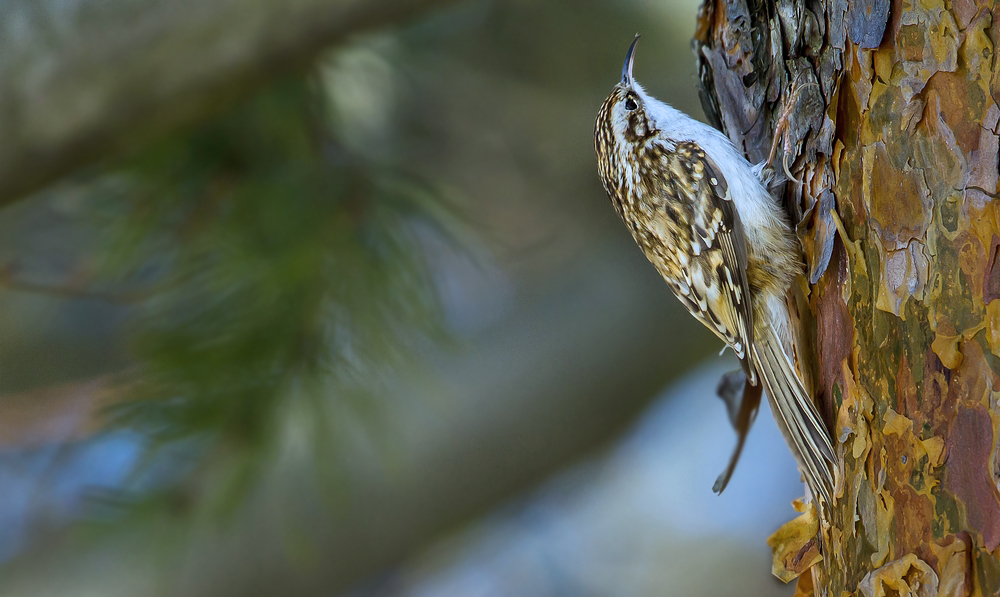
278 266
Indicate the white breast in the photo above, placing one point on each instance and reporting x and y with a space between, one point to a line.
756 207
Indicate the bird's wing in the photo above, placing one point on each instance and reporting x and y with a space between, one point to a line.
713 284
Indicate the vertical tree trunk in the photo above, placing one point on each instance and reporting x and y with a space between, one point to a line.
894 135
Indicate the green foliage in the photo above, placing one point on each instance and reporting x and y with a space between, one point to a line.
277 266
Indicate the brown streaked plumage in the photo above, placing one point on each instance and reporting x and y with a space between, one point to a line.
704 218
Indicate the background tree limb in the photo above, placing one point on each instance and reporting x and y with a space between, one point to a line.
81 80
465 436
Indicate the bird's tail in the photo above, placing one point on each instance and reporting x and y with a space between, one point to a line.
795 413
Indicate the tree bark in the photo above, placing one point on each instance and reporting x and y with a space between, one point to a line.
893 135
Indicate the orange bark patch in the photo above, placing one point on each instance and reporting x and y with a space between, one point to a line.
946 347
909 575
805 586
906 387
900 205
972 260
953 565
933 47
957 98
795 546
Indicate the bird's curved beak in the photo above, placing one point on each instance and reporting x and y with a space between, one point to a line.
629 59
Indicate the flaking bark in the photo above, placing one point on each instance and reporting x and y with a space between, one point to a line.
894 137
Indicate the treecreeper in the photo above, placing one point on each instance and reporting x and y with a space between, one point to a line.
705 218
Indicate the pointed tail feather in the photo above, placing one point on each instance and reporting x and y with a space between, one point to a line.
796 414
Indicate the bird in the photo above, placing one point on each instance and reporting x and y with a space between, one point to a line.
704 216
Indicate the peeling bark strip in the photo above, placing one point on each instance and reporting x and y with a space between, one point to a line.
866 22
897 151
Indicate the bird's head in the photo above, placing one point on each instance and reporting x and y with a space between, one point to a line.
624 123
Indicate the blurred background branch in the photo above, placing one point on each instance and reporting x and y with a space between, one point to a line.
82 80
288 305
461 436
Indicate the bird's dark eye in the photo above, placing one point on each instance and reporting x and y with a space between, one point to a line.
630 104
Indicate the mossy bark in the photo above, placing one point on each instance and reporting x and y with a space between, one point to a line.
896 148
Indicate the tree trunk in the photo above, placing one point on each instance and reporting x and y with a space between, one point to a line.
896 147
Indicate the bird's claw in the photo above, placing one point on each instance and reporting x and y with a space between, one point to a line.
781 131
